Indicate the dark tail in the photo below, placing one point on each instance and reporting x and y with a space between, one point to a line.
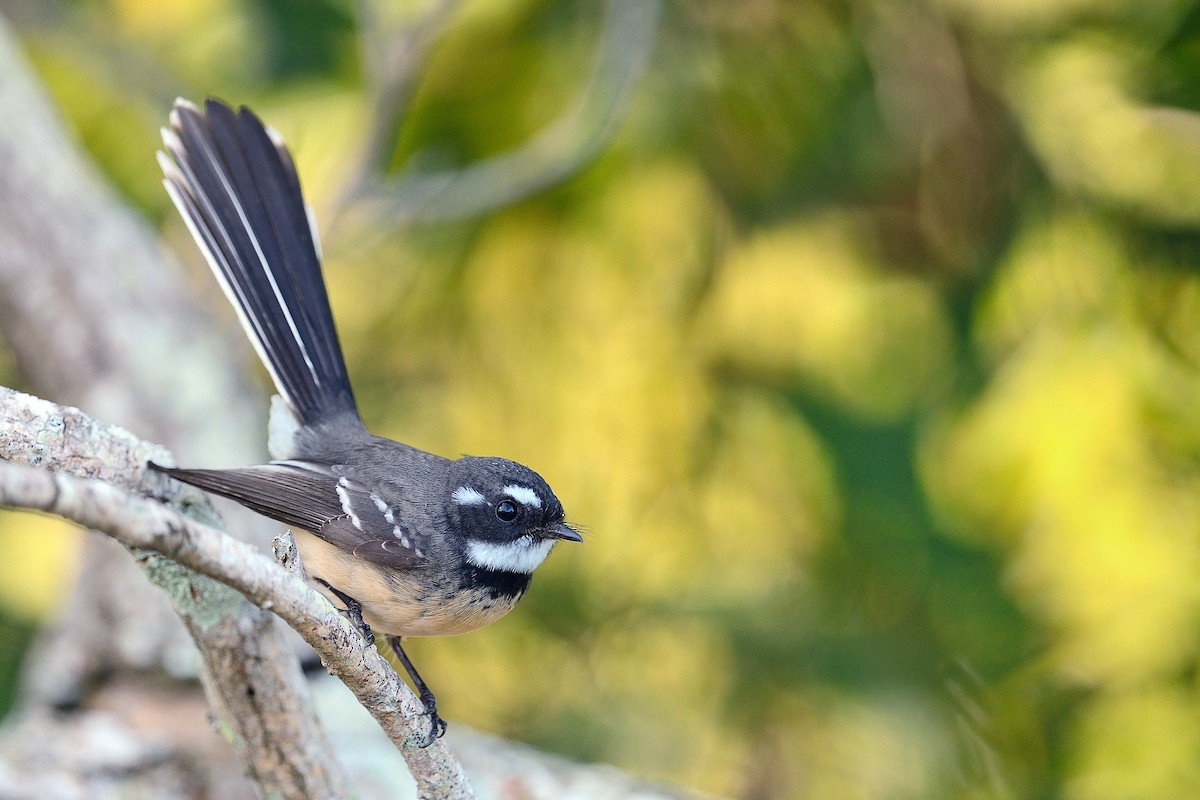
234 182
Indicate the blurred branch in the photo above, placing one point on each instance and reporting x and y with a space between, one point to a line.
392 57
86 295
627 36
232 638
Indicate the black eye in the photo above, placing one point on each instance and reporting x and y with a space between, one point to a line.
506 511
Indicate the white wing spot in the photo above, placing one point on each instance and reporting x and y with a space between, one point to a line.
523 495
380 503
466 496
344 496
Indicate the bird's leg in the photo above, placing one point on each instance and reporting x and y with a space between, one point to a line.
353 611
437 726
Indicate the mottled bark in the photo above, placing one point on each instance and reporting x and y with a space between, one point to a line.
96 315
258 695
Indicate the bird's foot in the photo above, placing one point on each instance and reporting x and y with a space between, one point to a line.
437 725
352 611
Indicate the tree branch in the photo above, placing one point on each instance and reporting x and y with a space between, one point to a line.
216 617
627 36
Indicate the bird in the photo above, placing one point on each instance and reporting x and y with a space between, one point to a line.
408 542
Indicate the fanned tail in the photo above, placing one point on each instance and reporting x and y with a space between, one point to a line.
234 182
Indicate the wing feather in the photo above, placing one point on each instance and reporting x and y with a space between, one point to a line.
316 498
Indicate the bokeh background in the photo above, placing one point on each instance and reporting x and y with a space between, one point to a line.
862 337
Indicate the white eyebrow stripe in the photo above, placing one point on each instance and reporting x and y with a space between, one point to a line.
466 496
523 495
521 556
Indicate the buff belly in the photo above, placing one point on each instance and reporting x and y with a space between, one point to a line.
393 601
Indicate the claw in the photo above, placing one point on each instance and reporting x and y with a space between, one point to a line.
352 611
437 725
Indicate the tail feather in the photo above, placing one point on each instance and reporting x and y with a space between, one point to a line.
236 186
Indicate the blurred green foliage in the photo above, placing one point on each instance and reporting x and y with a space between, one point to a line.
866 352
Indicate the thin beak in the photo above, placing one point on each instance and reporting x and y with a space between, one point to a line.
561 530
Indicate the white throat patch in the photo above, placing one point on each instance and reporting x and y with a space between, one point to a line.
522 555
